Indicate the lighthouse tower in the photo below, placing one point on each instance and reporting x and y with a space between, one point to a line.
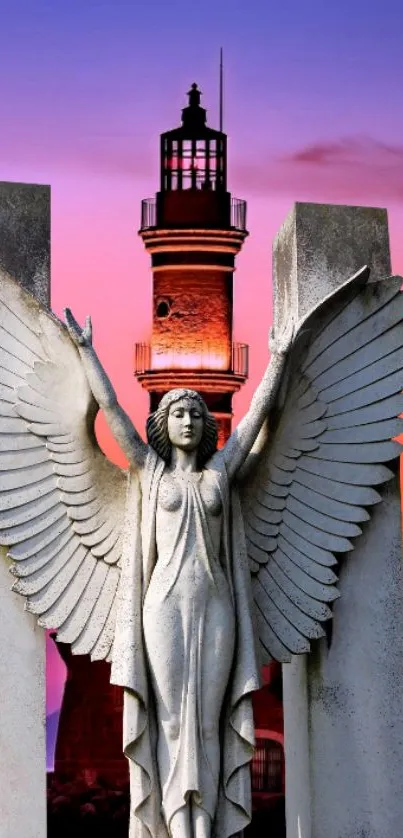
193 230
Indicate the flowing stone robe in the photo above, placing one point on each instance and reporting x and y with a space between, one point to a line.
130 670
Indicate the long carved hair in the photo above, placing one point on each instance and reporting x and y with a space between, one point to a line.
157 427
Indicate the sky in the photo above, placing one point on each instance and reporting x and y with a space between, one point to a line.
313 111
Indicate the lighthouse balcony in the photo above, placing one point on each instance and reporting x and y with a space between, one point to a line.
147 359
199 368
193 208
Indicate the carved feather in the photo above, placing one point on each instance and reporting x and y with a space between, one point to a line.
62 544
316 477
87 640
61 501
75 623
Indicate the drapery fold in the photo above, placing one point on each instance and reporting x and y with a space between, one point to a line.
129 663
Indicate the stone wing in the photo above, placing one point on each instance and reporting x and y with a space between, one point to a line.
61 501
314 486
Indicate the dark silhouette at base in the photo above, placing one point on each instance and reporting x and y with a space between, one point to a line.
100 811
87 811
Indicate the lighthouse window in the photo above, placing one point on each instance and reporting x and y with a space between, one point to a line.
163 308
193 163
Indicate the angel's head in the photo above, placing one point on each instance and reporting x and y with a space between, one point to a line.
182 420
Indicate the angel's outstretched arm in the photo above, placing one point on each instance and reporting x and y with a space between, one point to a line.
245 435
119 422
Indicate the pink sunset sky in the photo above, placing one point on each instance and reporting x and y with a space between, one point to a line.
313 111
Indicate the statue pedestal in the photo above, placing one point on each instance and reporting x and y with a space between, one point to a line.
343 704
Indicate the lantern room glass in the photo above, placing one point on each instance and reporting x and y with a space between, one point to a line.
193 163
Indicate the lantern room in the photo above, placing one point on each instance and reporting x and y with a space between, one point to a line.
193 186
193 156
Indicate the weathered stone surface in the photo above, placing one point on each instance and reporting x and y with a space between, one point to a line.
356 691
297 748
25 236
319 246
343 705
22 717
25 254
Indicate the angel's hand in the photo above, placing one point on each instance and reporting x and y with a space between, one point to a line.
280 342
79 336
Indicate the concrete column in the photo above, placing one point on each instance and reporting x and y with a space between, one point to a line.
25 255
343 704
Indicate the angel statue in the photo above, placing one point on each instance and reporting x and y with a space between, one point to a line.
197 565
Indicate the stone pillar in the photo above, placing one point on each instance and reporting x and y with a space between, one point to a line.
343 704
25 255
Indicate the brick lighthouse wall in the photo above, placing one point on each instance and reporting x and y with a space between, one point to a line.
192 319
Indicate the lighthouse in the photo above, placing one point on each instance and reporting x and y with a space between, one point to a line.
193 230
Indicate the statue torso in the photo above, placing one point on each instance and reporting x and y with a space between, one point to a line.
177 493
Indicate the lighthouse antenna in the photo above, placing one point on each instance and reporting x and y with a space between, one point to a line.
221 96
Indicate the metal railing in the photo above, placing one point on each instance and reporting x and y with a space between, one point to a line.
240 359
237 214
142 358
148 213
202 357
268 767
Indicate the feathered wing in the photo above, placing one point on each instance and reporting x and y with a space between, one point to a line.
314 486
61 501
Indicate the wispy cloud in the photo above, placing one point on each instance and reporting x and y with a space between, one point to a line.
356 168
348 151
359 168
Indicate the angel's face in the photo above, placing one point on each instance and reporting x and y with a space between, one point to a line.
185 424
